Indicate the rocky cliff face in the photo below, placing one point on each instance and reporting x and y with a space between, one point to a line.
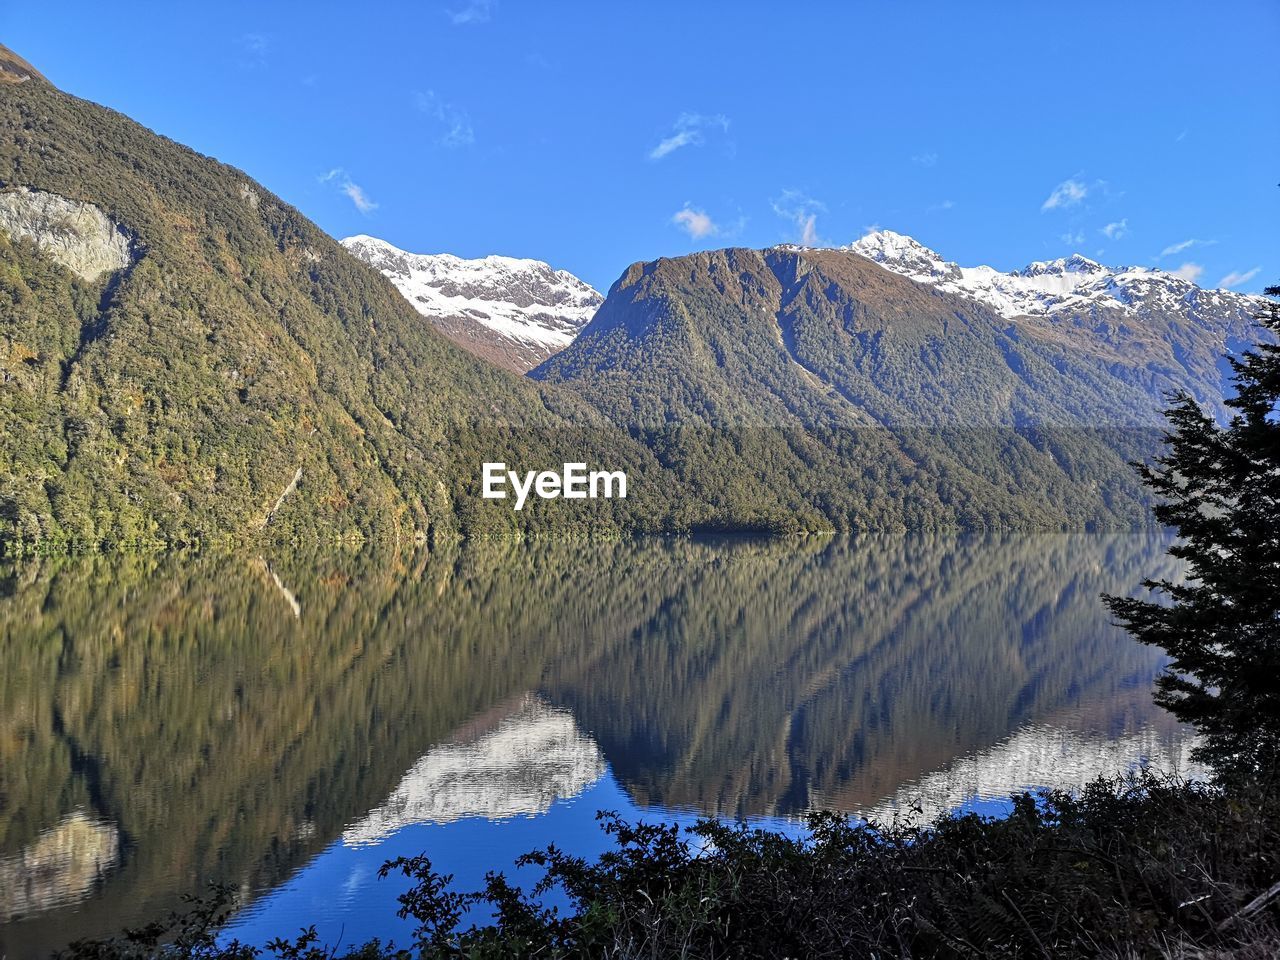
75 234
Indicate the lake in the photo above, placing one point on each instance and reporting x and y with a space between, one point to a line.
287 723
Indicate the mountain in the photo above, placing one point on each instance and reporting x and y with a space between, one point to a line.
1139 315
515 313
185 358
821 381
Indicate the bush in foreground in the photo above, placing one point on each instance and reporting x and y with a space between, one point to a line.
1141 867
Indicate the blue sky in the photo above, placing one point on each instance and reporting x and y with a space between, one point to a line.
596 134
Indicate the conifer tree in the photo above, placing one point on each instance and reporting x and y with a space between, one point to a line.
1219 489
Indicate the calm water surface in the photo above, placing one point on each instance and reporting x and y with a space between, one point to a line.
287 724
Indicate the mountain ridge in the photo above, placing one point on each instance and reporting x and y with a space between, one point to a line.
242 359
513 312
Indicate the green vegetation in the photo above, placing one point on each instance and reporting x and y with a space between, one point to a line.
1129 868
805 388
1136 868
1220 490
172 402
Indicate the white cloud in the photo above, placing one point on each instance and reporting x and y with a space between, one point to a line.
803 212
925 159
1177 248
1236 279
472 12
1184 245
696 223
1072 239
1116 230
1068 193
944 205
353 190
688 131
455 128
1189 271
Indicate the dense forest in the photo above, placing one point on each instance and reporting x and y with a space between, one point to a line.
172 401
815 385
241 376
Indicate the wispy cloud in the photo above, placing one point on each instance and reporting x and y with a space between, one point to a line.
689 131
355 193
803 212
454 123
696 223
472 12
1072 239
1116 230
1190 271
1175 248
1236 279
927 159
254 47
1069 193
944 205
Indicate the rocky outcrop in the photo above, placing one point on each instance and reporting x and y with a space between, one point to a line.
74 233
14 70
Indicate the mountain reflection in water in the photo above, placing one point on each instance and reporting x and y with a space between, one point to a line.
231 719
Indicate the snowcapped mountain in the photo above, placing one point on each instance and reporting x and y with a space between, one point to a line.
1143 322
515 313
1070 285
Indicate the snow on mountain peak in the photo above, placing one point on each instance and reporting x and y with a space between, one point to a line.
525 306
902 254
1047 287
1076 263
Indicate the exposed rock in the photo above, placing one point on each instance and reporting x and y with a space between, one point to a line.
13 69
74 233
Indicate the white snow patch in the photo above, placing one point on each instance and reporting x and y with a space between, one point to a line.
523 300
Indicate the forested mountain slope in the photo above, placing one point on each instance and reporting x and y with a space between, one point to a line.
185 358
178 346
866 397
